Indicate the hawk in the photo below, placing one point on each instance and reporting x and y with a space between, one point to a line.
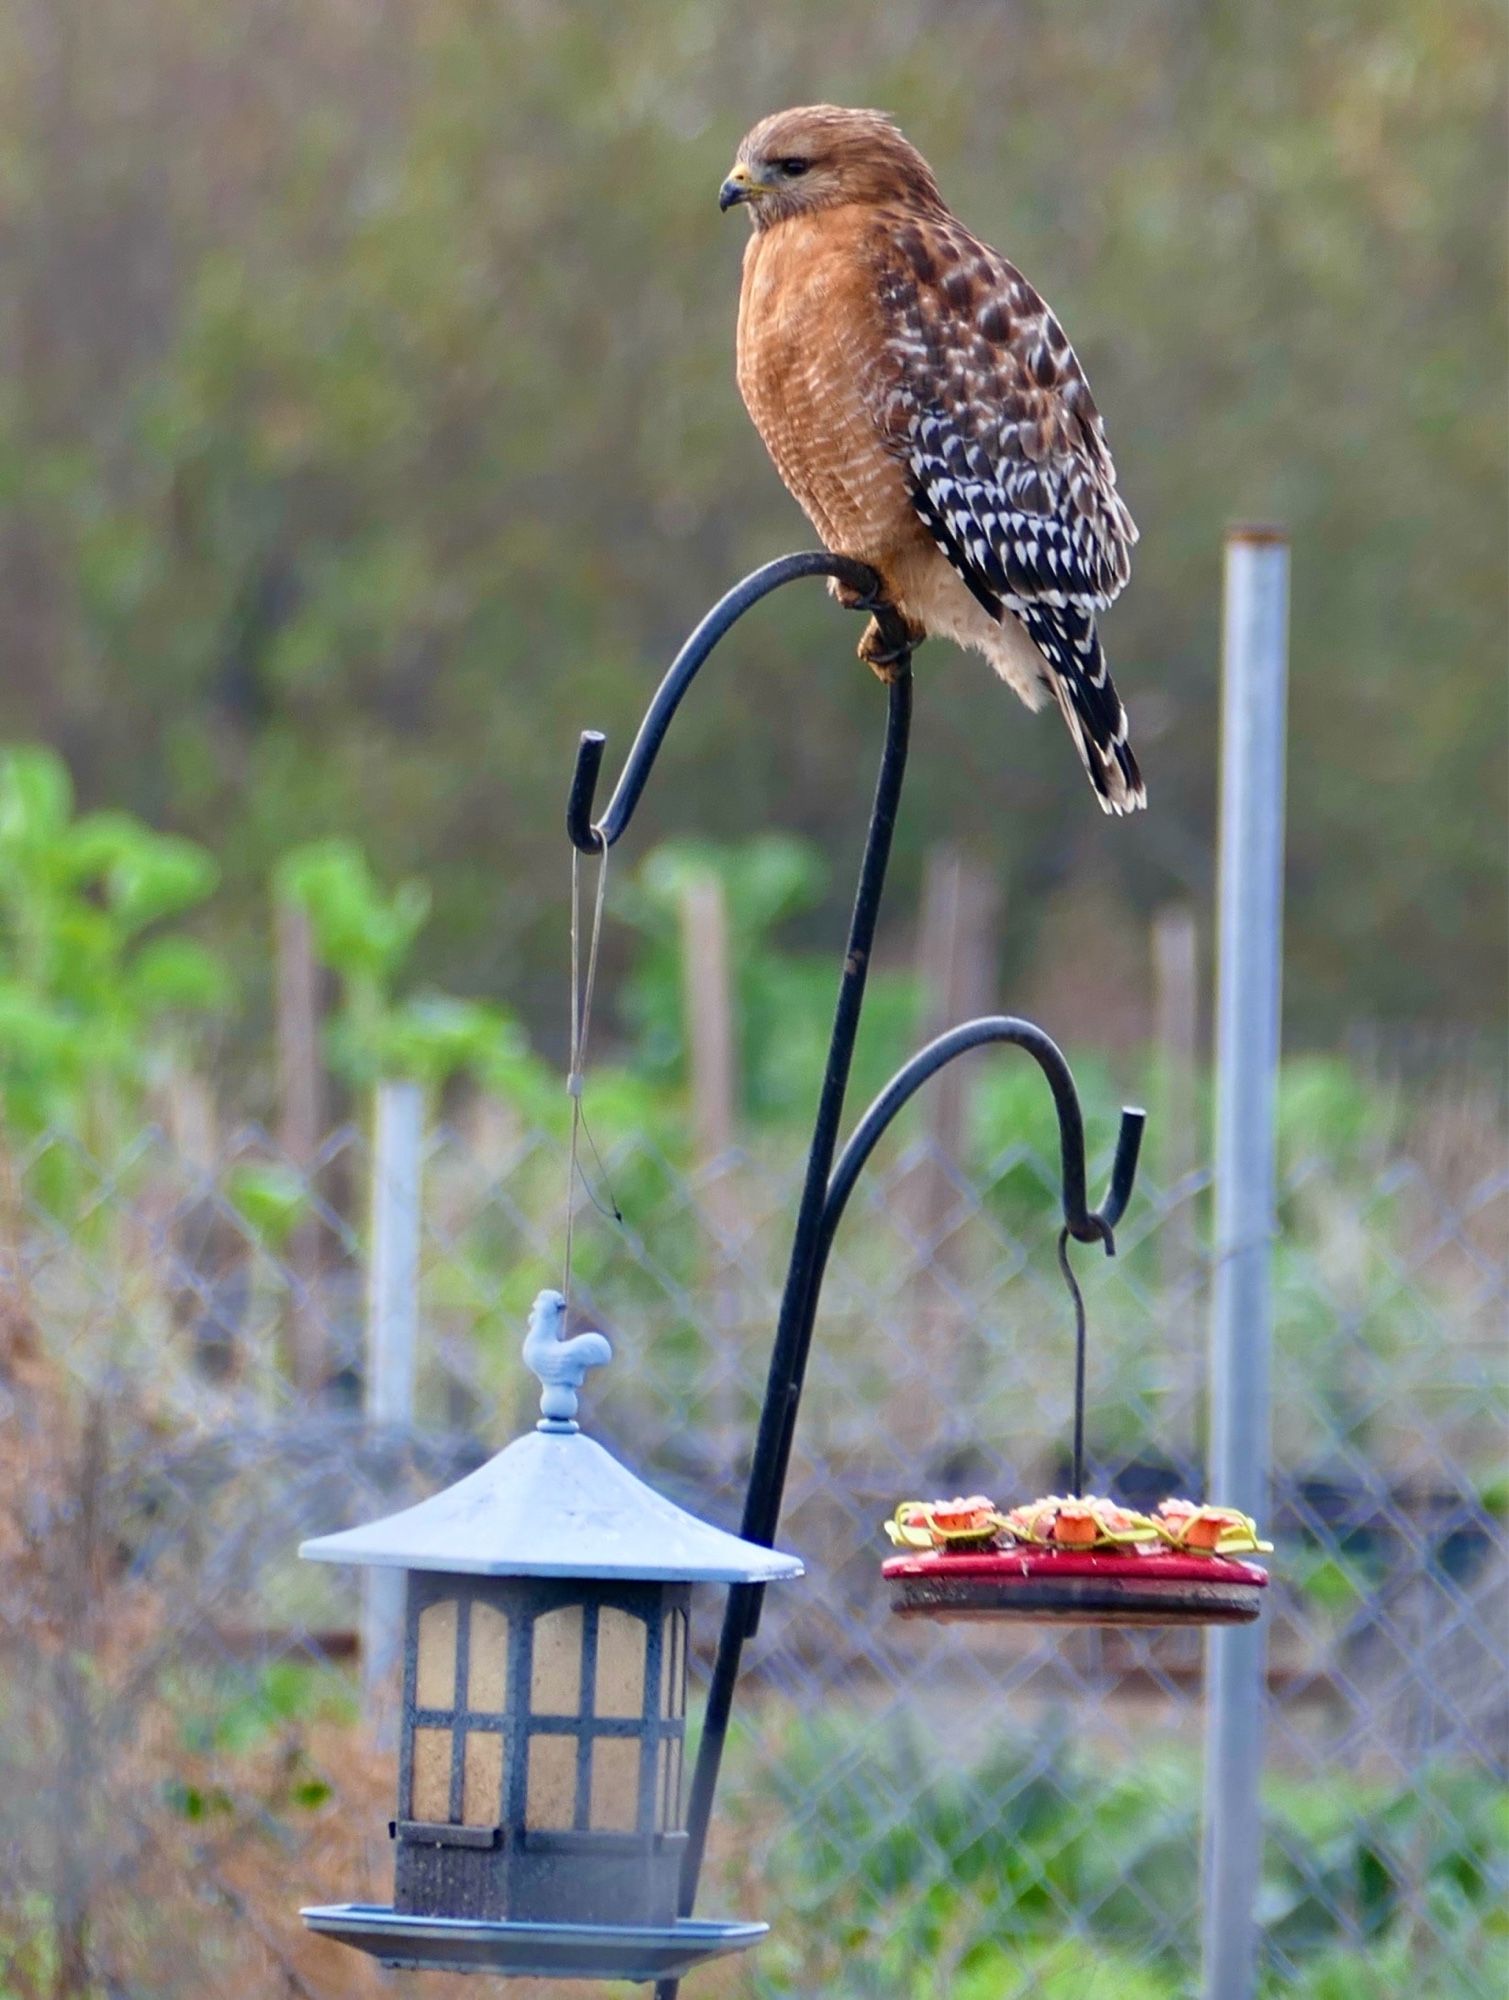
926 409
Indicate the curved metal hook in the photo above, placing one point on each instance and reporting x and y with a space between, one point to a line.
594 838
1084 1224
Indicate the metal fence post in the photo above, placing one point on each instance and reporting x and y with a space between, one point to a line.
1254 676
392 1323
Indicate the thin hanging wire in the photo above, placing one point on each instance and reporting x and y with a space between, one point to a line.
1078 1485
581 1027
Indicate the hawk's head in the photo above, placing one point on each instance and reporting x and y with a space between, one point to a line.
824 156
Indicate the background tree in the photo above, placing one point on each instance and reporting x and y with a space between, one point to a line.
367 424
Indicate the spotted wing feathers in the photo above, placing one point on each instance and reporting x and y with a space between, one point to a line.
987 407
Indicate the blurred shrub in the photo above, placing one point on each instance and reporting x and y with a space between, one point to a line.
783 1000
927 1871
97 998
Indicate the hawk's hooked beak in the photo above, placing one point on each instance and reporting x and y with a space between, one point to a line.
743 184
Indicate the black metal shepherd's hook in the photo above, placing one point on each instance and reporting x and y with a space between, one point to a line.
594 836
826 1188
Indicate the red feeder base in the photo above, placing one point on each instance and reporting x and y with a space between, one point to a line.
1053 1587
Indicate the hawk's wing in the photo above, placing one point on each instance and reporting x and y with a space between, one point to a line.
983 400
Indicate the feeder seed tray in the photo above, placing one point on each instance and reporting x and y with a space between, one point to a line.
1053 1587
542 1951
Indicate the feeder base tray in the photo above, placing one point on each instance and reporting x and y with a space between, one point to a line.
541 1951
1050 1587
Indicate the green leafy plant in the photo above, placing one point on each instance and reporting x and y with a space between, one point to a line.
929 1871
96 997
365 935
782 1000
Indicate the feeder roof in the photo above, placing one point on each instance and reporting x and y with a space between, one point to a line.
555 1503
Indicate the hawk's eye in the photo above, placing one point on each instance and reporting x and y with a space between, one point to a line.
791 168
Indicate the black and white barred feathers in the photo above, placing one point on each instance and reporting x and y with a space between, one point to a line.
1009 470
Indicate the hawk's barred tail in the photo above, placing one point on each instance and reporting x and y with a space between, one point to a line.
1082 684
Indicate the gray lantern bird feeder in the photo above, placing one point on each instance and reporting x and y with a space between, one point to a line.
540 1826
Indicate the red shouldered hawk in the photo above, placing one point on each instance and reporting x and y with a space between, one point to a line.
926 409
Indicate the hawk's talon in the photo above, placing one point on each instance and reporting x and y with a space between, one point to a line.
887 661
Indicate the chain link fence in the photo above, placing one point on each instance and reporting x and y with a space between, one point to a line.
920 1810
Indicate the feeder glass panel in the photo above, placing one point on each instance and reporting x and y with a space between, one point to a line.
673 1665
482 1778
556 1681
435 1663
551 1799
615 1784
487 1660
620 1662
430 1787
672 1709
458 1750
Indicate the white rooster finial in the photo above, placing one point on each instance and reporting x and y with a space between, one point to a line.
559 1364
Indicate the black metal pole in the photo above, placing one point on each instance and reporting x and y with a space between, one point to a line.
788 1361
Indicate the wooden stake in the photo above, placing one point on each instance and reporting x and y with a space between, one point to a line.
301 1127
205 1243
707 995
957 953
1176 1016
392 1339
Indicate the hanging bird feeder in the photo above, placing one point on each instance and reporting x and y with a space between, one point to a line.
1075 1559
539 1825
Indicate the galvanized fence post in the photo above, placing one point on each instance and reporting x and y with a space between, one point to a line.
392 1326
1254 675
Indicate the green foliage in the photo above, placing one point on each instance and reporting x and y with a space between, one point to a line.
233 1713
1371 1857
783 1002
102 992
366 935
917 1865
927 1871
1053 1972
28 1947
94 999
194 1802
271 1198
1327 1111
359 931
